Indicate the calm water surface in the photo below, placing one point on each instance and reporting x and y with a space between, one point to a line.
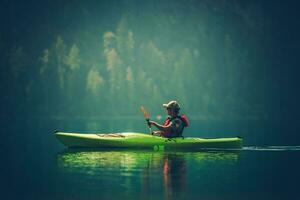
36 166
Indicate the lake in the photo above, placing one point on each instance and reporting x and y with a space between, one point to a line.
36 166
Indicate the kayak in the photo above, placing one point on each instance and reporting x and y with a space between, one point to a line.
131 140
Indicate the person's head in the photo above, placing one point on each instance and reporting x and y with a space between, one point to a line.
172 107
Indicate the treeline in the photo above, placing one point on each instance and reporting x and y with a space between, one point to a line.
201 56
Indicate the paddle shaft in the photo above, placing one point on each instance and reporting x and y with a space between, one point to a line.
149 125
146 115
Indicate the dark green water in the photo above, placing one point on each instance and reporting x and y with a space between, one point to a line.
36 166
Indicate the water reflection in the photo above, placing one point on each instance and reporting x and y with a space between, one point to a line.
146 174
174 171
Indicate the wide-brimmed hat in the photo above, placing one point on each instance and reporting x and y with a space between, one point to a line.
172 105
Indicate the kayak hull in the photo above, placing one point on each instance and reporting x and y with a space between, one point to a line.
144 141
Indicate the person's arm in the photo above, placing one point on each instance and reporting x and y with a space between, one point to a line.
160 127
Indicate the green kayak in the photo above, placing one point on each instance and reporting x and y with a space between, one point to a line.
131 140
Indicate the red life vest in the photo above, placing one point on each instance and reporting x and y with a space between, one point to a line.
184 120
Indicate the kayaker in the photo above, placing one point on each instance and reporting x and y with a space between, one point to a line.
174 124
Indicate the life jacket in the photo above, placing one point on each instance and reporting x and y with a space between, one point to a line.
185 122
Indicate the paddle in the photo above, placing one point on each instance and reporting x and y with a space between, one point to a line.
146 115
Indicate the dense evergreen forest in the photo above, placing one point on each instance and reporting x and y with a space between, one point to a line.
219 59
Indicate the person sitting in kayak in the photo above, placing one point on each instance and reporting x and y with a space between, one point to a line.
174 124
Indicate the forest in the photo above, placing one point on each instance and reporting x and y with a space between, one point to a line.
107 58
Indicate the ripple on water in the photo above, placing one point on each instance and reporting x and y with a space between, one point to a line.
272 148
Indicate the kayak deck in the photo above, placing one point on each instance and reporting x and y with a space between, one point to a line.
132 140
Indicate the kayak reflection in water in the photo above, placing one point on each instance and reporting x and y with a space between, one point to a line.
174 124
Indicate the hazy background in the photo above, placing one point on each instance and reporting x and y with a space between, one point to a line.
232 65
